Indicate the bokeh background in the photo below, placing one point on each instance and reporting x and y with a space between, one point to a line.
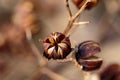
17 59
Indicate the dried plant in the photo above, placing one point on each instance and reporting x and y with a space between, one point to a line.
56 45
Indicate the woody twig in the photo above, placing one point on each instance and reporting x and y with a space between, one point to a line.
74 17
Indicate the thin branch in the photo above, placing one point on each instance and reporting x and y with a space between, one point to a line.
76 25
81 23
73 18
65 60
81 10
41 60
72 59
68 8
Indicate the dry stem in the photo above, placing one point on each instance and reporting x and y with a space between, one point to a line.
74 17
42 62
79 23
71 60
68 8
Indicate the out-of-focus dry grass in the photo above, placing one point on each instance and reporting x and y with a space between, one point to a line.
19 60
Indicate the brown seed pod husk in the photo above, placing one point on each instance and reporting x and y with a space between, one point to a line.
56 46
89 5
87 49
91 63
111 72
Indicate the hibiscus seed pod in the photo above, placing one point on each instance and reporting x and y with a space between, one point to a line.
91 63
56 46
87 49
90 4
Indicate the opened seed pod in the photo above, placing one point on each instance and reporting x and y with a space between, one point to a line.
91 63
87 49
89 5
56 46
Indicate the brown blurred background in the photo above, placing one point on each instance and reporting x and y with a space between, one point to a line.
19 61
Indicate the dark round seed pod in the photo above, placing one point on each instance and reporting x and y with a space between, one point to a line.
56 46
90 4
111 72
87 49
91 63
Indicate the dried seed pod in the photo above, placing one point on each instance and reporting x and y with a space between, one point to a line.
90 4
56 46
111 72
91 63
26 16
87 49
